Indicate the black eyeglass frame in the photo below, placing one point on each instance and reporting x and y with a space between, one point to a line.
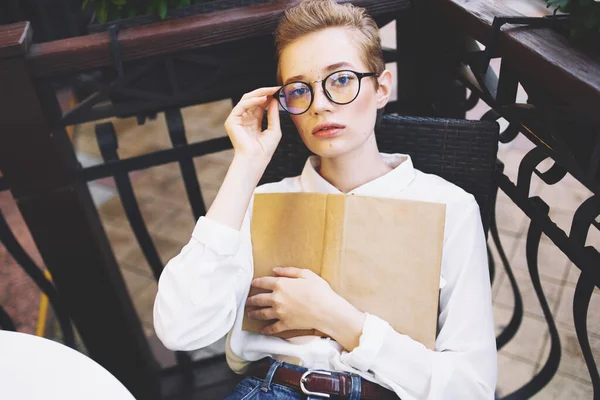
360 76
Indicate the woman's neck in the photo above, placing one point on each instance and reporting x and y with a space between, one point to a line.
355 168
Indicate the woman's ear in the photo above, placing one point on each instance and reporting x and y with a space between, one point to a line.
385 88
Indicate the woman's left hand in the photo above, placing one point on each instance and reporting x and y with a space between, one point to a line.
300 299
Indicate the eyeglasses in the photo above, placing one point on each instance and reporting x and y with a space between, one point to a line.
340 87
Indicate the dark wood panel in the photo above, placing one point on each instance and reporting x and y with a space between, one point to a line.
92 51
14 39
543 55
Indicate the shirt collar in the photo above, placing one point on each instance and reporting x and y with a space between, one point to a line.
394 181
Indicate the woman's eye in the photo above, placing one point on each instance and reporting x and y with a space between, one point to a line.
298 92
342 80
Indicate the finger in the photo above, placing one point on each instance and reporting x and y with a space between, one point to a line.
247 104
291 272
273 115
265 91
266 314
266 282
260 300
274 328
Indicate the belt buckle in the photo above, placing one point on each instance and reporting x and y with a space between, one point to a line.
304 378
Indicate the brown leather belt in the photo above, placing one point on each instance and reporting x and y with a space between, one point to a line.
316 382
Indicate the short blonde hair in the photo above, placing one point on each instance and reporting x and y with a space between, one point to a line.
311 16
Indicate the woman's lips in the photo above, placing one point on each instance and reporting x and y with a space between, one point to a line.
327 129
327 133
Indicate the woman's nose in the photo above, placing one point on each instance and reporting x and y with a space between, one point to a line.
321 102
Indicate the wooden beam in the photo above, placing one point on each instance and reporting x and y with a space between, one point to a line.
15 39
543 55
92 51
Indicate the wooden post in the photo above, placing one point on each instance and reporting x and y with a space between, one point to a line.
427 65
39 165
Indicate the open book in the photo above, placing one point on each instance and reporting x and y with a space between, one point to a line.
382 255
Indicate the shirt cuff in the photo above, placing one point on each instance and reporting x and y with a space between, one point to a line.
221 239
371 340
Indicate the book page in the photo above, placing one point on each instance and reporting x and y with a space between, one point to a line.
287 231
391 262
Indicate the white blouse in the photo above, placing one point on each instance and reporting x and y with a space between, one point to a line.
202 291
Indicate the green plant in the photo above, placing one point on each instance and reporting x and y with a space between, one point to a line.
584 16
110 10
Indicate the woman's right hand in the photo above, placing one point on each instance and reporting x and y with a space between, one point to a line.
244 125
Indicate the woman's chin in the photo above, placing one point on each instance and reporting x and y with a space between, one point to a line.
329 150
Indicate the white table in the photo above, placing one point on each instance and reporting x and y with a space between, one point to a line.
34 368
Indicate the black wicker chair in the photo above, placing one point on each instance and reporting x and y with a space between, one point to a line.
460 151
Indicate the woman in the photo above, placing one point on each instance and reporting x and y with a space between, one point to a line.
334 82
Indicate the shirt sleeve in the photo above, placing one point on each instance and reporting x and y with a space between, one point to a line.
201 288
464 362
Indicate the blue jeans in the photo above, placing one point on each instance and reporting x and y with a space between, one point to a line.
252 388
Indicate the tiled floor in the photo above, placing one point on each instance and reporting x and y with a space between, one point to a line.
165 208
164 205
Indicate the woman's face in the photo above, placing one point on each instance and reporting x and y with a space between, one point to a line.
313 57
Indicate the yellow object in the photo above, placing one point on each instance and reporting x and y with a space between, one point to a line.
43 314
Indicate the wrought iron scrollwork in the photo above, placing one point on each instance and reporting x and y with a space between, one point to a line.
537 120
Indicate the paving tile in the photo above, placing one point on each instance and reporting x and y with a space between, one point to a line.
19 295
564 314
178 227
165 357
166 248
509 217
121 239
209 195
156 180
154 210
148 329
566 195
565 388
205 121
136 281
530 338
512 374
552 262
507 242
101 193
211 171
87 160
137 139
572 274
572 364
563 219
511 158
225 156
144 302
84 139
531 306
498 282
176 193
593 238
113 213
